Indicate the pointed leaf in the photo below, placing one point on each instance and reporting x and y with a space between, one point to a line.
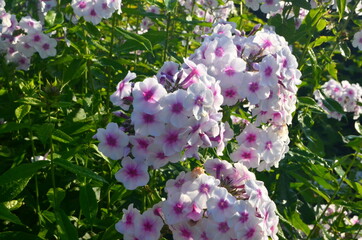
135 37
21 111
6 214
66 229
88 202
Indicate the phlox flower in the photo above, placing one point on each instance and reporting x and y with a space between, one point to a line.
157 158
268 71
115 4
357 40
183 231
252 88
248 156
240 175
220 50
200 98
253 4
81 7
175 208
250 136
218 168
257 193
244 213
201 189
103 9
140 145
270 6
112 141
30 25
176 110
271 148
173 186
270 219
147 124
193 72
173 140
148 226
133 173
24 47
91 15
147 95
219 230
126 225
221 205
47 47
123 91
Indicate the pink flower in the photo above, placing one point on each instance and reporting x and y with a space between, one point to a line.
133 173
148 226
124 89
147 124
147 96
126 225
221 205
112 141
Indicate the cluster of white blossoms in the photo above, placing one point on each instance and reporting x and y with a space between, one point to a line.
261 70
229 204
349 96
208 10
95 10
20 40
332 215
179 111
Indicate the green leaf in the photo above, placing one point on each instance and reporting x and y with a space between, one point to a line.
22 171
345 51
31 101
50 17
341 5
61 136
307 101
92 30
135 37
301 4
298 223
10 190
66 229
332 70
75 69
322 39
12 126
18 235
44 132
82 171
332 105
88 202
170 5
5 214
59 195
21 111
358 127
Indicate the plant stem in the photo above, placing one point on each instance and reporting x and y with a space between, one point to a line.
167 36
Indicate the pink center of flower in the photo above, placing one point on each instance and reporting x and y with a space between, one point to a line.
161 156
129 219
148 95
178 208
268 71
360 40
246 155
229 71
222 204
22 61
251 138
268 145
199 101
172 138
244 216
11 50
267 44
285 63
104 6
179 182
219 52
27 46
121 86
253 87
132 172
111 140
185 233
82 5
204 188
250 233
147 226
36 38
148 118
177 108
46 46
143 144
269 2
223 227
93 13
230 93
30 24
350 92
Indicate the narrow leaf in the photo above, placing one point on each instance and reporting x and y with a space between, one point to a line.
21 111
61 136
67 231
341 5
135 37
6 214
82 171
18 235
88 202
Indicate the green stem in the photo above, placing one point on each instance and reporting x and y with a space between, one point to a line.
167 36
332 198
108 68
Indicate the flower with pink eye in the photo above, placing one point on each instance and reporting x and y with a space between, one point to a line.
133 173
113 141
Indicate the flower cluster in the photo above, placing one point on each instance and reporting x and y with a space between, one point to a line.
178 112
146 22
95 10
332 214
208 10
229 204
20 40
261 69
346 94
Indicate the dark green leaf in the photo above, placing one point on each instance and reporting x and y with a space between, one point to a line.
61 136
135 37
170 5
58 196
75 69
12 126
88 202
66 229
81 171
26 170
341 5
5 214
333 105
18 236
10 190
44 132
